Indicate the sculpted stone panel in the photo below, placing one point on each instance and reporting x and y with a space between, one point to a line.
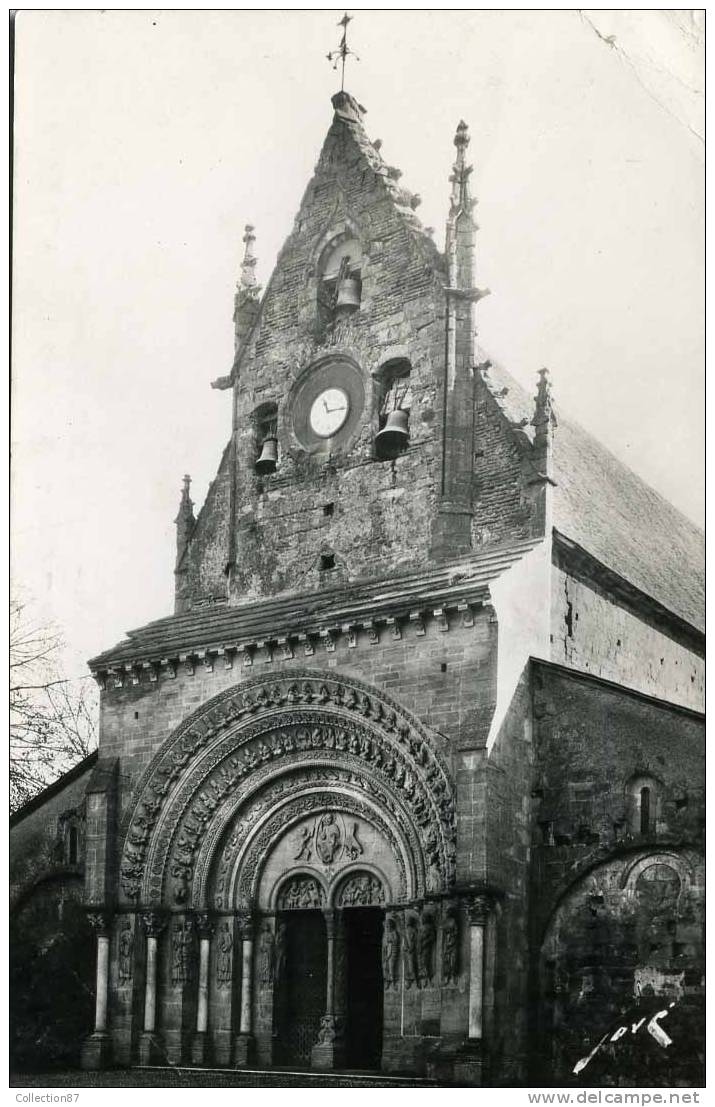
248 850
299 893
361 890
216 755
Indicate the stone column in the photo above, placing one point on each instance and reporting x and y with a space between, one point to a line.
243 1050
478 910
149 1045
328 1052
96 1048
205 928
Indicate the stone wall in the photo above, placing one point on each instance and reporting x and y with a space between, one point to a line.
616 881
593 630
381 510
457 701
51 948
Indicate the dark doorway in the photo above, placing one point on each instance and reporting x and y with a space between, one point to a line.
363 938
301 992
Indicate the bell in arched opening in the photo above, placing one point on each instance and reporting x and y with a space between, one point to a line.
348 297
268 459
395 435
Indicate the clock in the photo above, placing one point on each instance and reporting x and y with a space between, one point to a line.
326 405
329 411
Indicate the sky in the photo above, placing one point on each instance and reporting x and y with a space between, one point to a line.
145 140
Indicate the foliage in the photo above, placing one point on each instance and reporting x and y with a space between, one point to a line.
53 719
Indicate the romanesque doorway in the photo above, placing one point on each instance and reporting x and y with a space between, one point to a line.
364 992
300 1002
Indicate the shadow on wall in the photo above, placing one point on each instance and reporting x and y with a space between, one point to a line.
51 977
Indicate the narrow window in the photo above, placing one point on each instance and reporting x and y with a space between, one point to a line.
73 846
645 810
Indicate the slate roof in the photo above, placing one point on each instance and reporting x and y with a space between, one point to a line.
604 507
452 583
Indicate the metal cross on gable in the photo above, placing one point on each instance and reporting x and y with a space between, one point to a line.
338 57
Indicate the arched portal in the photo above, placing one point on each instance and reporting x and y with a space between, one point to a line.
285 814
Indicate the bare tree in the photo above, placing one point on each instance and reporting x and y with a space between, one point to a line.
52 718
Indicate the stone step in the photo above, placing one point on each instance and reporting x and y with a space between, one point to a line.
178 1076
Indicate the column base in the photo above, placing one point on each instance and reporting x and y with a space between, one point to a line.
469 1064
150 1049
243 1050
199 1051
96 1052
329 1050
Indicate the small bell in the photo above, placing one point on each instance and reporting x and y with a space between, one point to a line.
266 463
394 435
348 295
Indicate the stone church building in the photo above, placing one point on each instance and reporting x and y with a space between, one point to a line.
412 779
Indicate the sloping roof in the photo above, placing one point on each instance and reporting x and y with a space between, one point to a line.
451 583
604 507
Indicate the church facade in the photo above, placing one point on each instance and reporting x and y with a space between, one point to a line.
412 779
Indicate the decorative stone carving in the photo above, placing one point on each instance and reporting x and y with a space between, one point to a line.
478 908
100 921
390 952
450 947
153 923
266 955
331 1030
385 749
126 949
279 961
352 847
409 952
299 893
224 956
182 940
205 924
328 839
361 890
426 938
305 840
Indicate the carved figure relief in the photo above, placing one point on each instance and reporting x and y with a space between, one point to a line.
352 846
306 836
450 937
426 939
224 956
361 890
409 953
328 839
390 952
181 951
658 888
126 948
300 893
266 955
279 962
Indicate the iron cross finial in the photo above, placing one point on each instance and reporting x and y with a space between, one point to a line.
340 55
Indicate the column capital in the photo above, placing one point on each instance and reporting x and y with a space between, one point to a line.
331 919
100 921
205 923
478 908
246 924
153 922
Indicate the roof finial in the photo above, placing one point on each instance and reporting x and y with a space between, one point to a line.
338 57
185 520
247 284
461 196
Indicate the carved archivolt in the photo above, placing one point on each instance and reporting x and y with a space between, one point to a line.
246 750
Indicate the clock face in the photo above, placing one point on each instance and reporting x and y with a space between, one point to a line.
329 411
